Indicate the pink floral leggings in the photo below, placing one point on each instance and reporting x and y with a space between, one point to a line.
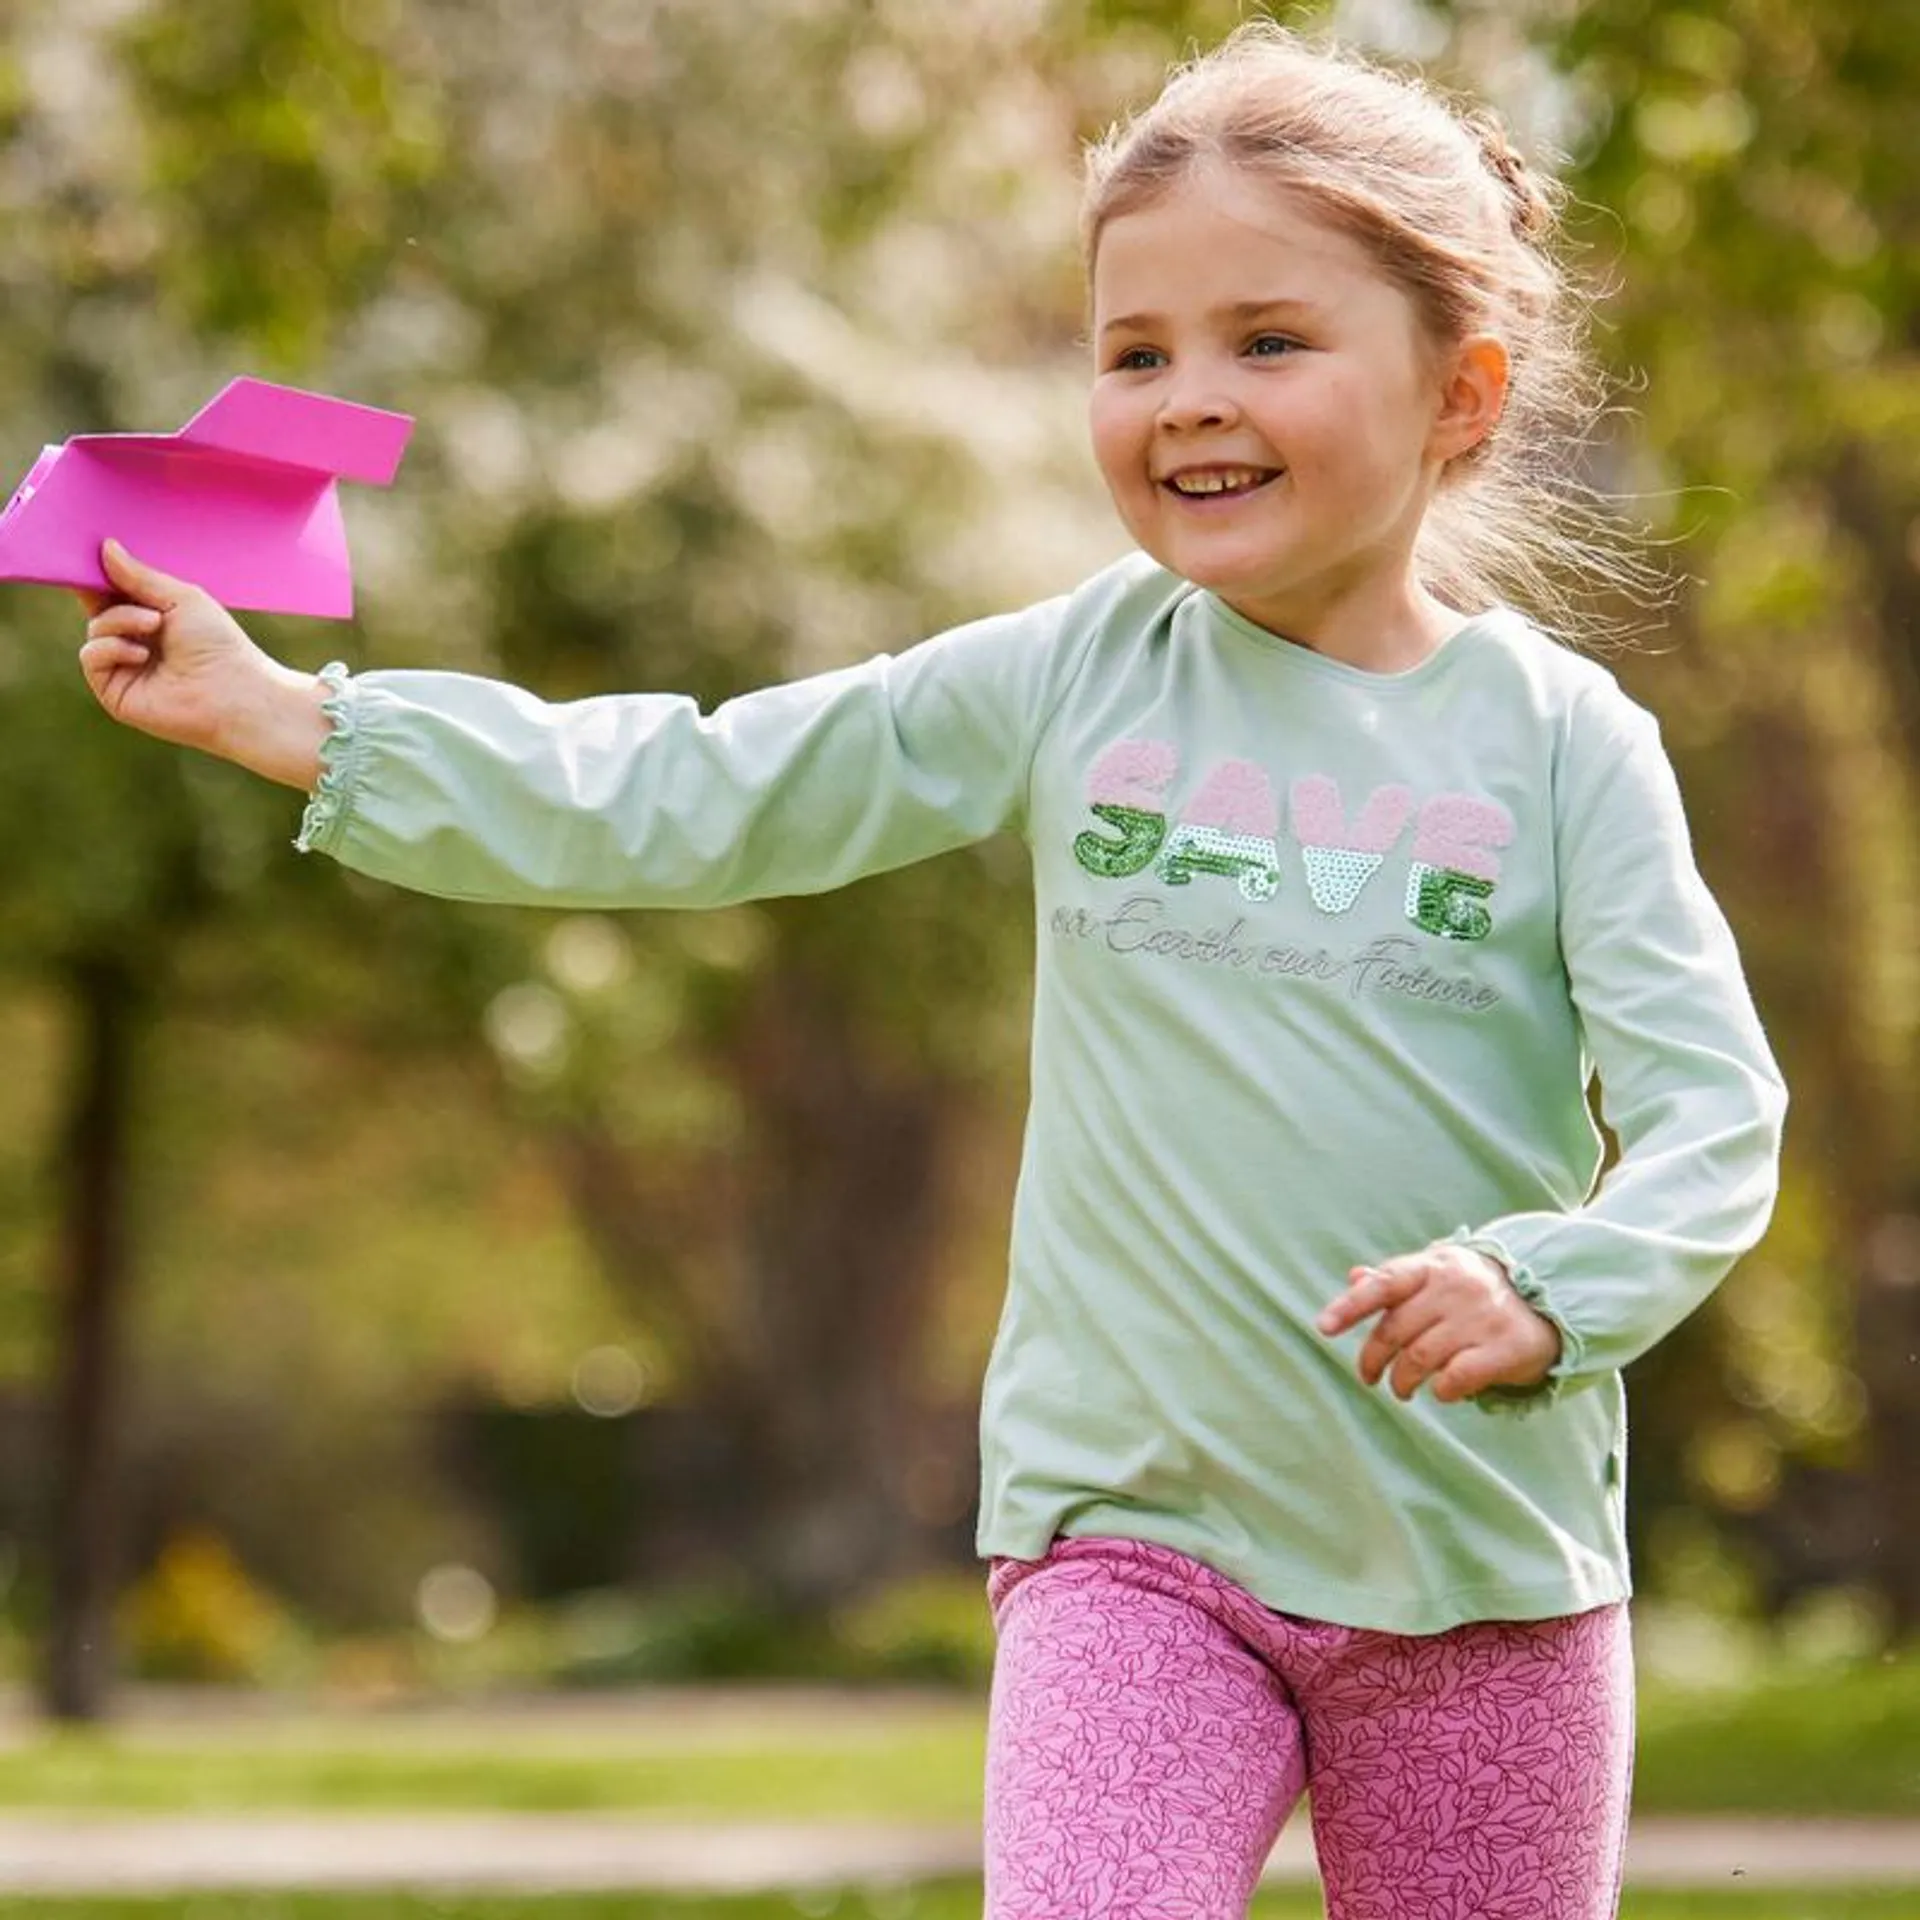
1153 1726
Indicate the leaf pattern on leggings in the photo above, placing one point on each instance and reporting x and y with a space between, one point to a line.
1153 1725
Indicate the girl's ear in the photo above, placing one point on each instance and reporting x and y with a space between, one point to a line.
1472 396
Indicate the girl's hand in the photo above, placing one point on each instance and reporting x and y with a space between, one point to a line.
1449 1315
163 656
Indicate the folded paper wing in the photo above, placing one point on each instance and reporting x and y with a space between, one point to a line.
244 500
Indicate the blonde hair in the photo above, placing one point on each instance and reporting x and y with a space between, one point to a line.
1454 215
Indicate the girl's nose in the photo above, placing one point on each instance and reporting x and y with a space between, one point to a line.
1196 404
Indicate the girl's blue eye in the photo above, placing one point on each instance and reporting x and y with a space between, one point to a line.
1270 346
1134 359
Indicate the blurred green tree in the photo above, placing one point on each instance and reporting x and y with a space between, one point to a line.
696 417
117 855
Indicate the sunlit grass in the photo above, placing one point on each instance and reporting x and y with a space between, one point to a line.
911 1775
1847 1742
951 1900
1844 1741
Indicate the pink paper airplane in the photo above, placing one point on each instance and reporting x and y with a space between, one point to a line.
242 500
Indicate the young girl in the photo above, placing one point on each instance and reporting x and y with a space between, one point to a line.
1347 878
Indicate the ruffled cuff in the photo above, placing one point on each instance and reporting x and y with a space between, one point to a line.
1529 1286
339 753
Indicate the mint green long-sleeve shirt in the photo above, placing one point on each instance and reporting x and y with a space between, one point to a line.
1326 960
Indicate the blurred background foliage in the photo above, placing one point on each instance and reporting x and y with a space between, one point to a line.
391 1291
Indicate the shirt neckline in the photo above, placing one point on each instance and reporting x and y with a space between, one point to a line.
1463 639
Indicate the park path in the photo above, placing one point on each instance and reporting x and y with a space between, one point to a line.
52 1853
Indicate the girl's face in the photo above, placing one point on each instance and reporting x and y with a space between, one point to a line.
1267 411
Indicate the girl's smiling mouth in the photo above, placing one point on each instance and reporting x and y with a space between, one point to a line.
1213 483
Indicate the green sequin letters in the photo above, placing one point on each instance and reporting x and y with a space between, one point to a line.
1445 902
1141 833
1244 858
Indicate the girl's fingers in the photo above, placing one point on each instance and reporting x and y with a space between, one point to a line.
101 656
1524 1357
1420 1359
122 619
1472 1370
1408 1324
1373 1290
138 581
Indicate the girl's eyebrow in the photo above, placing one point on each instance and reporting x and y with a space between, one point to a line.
1240 310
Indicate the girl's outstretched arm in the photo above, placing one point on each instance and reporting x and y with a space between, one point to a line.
473 789
165 657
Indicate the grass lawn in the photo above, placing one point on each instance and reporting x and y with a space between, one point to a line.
1845 1742
953 1900
927 1770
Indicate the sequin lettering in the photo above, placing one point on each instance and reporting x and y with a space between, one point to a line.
1443 902
1340 860
1244 858
1140 834
1456 865
1125 789
1231 828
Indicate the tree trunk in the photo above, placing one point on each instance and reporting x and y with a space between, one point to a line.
1875 516
1888 1321
795 1277
840 1254
84 1524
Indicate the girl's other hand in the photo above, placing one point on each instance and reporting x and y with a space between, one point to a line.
163 656
1448 1315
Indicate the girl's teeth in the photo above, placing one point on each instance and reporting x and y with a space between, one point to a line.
1217 482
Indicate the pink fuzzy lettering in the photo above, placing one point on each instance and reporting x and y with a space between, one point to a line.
1459 833
1320 816
1133 773
1235 798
